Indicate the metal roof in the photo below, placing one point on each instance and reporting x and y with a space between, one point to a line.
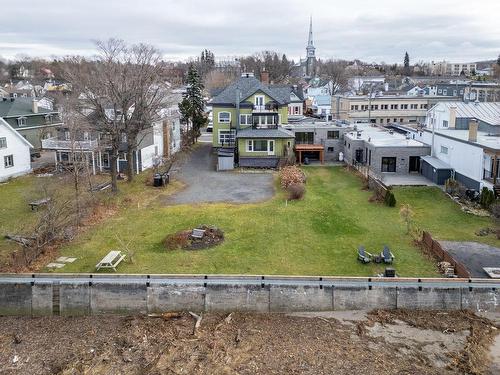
436 163
486 112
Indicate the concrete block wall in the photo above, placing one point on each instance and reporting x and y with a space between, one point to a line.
70 297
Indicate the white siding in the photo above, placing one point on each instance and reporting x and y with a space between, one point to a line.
20 151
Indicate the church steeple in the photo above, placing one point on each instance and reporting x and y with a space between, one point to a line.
311 52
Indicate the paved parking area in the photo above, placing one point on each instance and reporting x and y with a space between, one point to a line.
473 255
406 180
205 184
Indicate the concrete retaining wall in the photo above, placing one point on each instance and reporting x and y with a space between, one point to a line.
122 294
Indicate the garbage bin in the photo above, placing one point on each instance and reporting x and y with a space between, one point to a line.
157 180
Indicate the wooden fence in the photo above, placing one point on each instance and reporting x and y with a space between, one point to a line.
435 248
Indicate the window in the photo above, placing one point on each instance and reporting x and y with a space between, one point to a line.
414 106
444 150
225 117
8 161
66 135
245 119
445 92
259 100
394 106
423 106
354 107
3 142
48 119
440 91
226 136
122 156
404 106
384 106
21 121
333 134
85 136
256 145
389 164
445 124
330 149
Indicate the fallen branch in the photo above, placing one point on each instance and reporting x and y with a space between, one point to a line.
197 324
166 315
226 320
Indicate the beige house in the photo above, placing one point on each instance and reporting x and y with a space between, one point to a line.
383 109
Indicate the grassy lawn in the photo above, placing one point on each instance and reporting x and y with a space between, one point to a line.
316 236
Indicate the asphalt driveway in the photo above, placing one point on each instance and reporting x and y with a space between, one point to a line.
473 255
205 184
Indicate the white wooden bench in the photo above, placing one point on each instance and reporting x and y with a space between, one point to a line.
111 260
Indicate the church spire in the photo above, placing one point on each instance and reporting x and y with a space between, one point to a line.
310 44
310 41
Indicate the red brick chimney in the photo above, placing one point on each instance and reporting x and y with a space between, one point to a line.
264 77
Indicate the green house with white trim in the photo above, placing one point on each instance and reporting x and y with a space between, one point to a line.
247 119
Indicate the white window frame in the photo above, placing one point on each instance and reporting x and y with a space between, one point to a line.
226 132
444 150
445 124
48 119
262 98
6 158
248 119
21 121
270 144
224 121
3 142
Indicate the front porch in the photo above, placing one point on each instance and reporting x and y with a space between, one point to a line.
491 170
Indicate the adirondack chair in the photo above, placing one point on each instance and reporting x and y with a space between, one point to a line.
386 255
363 255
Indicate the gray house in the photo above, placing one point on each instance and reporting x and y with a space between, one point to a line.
384 151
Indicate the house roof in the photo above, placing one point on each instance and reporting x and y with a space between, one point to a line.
486 112
323 100
6 124
20 107
264 133
435 162
248 86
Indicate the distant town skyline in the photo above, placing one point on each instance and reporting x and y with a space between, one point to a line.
428 30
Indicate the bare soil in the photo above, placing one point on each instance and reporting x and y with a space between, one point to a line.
382 342
183 240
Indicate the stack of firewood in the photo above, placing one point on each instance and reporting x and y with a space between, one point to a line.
446 268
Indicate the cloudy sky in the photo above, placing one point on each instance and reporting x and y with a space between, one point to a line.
370 30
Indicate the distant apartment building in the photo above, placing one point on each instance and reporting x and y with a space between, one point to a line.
382 109
445 68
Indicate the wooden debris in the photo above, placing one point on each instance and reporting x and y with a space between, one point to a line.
166 315
197 324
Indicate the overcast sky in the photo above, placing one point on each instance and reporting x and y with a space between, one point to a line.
366 29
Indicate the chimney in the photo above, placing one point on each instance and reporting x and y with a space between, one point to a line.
473 130
453 117
264 77
34 106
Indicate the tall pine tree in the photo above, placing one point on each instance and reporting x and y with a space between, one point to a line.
406 64
192 107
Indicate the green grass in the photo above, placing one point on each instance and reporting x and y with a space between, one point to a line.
316 236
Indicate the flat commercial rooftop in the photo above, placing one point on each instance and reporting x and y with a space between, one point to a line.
380 137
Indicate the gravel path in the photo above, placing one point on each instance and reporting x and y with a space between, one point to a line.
205 184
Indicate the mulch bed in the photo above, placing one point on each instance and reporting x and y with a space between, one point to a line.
183 240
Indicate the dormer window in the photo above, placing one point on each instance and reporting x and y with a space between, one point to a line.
21 121
259 100
48 119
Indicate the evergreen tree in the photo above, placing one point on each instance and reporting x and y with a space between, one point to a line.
406 64
498 60
192 107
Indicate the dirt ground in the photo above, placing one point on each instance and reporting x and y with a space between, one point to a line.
380 342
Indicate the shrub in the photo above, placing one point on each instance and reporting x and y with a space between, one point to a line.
452 186
390 199
487 197
495 210
296 191
291 175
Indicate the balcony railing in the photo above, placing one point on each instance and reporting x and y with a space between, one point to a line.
265 108
58 144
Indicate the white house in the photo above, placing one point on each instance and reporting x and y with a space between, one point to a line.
466 137
14 152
